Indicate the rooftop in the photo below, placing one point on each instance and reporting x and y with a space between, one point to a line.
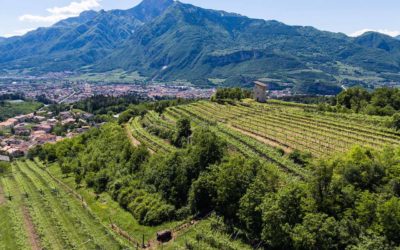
260 84
4 158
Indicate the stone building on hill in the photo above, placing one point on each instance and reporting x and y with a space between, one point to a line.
260 92
5 158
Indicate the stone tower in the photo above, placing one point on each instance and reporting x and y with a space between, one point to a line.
260 92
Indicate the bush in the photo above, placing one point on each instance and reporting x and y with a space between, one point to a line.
150 209
5 167
396 121
231 94
301 158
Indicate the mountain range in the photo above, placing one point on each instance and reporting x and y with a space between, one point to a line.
165 40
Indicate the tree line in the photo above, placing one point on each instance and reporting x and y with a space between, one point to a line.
383 101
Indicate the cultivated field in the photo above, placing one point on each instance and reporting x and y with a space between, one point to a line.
39 212
42 209
271 131
42 214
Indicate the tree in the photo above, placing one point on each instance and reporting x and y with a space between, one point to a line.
281 212
354 98
232 178
301 158
395 123
365 209
125 116
318 231
101 180
66 169
361 168
389 219
371 242
266 182
168 174
183 132
138 157
207 149
172 174
5 167
202 193
231 93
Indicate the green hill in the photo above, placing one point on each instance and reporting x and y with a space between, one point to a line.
234 175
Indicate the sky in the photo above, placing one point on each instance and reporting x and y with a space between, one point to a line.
352 17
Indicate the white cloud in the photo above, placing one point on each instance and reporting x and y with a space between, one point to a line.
58 13
17 33
392 33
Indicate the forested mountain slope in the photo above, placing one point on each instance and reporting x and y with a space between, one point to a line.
168 40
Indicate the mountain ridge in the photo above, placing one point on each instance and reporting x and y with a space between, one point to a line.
169 40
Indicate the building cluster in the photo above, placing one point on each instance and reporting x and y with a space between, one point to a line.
20 133
184 92
62 91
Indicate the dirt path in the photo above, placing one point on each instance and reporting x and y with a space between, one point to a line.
176 232
132 139
272 143
30 229
2 198
153 244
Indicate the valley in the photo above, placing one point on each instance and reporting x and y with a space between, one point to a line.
167 41
126 201
60 90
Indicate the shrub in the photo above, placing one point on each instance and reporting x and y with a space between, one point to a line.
5 167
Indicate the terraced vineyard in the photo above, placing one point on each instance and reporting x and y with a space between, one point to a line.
44 215
204 236
265 130
294 128
152 142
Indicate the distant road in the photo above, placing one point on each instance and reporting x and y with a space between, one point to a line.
66 98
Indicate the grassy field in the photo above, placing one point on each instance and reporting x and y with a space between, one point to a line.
115 76
11 109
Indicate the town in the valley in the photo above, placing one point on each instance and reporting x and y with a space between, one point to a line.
23 132
63 91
